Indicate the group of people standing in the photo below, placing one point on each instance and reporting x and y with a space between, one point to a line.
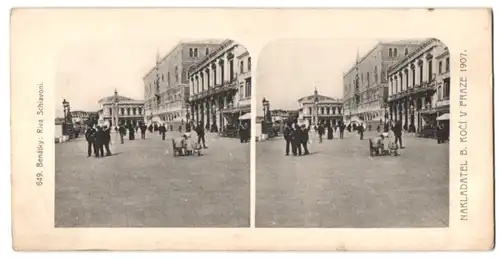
98 138
297 137
332 132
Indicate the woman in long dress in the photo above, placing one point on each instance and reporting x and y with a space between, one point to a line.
330 132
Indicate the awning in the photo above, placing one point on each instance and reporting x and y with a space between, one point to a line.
246 116
443 117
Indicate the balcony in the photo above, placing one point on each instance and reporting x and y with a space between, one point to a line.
230 85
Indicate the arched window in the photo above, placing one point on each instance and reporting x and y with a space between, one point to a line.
190 52
249 64
195 52
390 52
176 74
395 52
310 110
241 66
207 51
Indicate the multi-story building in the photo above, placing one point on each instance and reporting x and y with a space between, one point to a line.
366 84
419 86
166 84
220 87
318 109
115 110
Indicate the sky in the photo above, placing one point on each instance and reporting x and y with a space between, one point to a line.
289 69
90 70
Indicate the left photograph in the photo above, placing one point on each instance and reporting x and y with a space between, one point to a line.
152 133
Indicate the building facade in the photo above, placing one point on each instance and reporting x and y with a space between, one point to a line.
166 87
318 109
366 83
419 86
115 110
220 87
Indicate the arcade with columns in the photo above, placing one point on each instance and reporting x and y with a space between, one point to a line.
213 89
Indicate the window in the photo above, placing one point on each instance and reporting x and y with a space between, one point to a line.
327 110
406 51
390 52
368 78
440 67
322 110
168 78
162 77
140 111
176 74
122 111
446 88
310 110
190 52
134 110
241 66
249 64
447 66
195 52
430 71
395 52
248 88
128 111
207 51
375 75
242 92
110 111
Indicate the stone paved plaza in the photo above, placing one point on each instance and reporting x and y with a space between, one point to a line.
143 185
339 185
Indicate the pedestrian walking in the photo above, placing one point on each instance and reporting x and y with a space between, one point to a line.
200 130
143 128
131 132
123 131
361 131
90 136
304 138
341 130
287 134
330 130
398 132
321 132
163 131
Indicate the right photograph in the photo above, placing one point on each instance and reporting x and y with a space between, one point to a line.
353 133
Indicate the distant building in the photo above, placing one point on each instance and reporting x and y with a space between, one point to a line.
419 86
366 82
80 116
115 110
220 87
166 87
283 115
315 109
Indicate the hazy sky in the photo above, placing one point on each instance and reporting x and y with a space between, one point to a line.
90 70
289 69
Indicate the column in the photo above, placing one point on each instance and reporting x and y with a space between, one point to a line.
218 113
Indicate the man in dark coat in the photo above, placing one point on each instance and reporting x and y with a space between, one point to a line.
361 131
131 132
90 136
106 134
398 131
242 133
99 142
122 131
321 132
143 128
296 140
200 130
287 134
304 138
341 130
162 129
